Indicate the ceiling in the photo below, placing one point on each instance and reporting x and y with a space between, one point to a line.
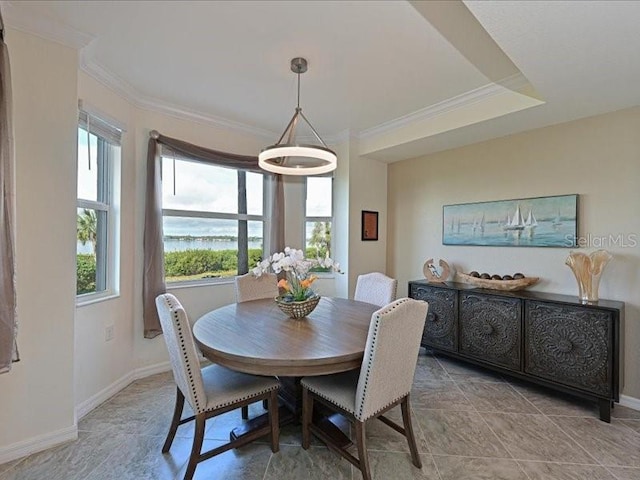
403 78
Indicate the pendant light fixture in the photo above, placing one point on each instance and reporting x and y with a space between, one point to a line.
292 158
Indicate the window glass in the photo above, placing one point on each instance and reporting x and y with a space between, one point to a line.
319 197
212 221
87 169
318 216
198 187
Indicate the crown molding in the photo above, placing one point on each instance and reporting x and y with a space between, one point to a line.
133 96
514 82
26 20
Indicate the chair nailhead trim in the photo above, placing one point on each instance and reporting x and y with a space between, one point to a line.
374 339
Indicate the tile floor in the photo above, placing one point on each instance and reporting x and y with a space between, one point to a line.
470 424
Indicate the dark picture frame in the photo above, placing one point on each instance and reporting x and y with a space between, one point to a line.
369 225
523 222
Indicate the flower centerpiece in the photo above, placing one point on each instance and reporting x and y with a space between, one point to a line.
298 299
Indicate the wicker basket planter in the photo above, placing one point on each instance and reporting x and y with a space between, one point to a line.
298 309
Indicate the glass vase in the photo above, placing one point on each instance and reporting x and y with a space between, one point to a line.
587 270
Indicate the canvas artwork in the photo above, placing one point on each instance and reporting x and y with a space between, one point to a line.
524 222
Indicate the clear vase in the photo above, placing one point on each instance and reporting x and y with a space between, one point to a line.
587 270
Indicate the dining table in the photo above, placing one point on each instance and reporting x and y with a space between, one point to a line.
256 337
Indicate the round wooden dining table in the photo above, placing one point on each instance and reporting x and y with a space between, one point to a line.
257 337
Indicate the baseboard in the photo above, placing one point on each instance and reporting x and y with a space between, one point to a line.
51 439
144 372
105 394
631 402
37 444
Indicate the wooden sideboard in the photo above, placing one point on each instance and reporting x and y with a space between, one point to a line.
552 340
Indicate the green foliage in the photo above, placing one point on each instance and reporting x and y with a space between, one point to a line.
205 263
87 228
178 265
321 238
86 273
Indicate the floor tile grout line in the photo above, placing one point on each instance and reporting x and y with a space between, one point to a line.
486 423
442 367
554 462
264 476
573 440
435 464
525 398
621 421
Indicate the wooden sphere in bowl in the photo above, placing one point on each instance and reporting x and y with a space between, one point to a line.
504 285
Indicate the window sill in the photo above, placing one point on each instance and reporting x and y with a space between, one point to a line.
95 298
200 283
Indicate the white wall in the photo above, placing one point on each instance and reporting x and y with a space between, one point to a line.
597 158
36 397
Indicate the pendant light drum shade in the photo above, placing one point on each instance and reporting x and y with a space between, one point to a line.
291 158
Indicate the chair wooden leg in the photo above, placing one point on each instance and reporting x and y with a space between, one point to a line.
274 421
307 413
245 412
196 448
362 450
265 404
175 421
408 430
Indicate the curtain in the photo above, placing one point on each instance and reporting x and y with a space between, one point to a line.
8 317
153 283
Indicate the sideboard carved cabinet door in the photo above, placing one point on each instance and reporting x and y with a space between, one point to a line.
490 328
570 345
441 327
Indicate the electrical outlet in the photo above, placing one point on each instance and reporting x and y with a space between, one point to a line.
108 333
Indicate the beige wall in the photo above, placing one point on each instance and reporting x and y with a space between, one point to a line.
367 191
597 158
36 397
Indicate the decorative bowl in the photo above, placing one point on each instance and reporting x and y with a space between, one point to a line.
298 309
505 285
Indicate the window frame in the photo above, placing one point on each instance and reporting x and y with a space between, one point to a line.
170 212
108 154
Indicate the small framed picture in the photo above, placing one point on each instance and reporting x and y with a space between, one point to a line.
369 225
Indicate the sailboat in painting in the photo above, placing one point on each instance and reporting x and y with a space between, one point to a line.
478 226
516 223
530 223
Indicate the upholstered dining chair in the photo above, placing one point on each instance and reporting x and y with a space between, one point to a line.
383 381
376 288
210 391
249 287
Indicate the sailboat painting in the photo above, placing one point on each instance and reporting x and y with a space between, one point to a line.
525 222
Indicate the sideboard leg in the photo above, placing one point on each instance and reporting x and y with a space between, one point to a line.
605 410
